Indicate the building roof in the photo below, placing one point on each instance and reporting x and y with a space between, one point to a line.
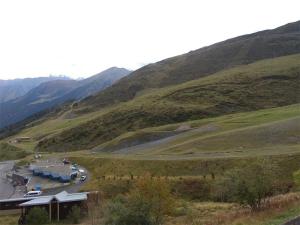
16 199
66 197
60 197
43 200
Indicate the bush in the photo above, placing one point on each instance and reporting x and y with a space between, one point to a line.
37 216
74 215
112 189
193 189
146 204
123 211
250 185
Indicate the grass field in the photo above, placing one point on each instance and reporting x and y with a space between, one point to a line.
263 132
241 89
10 152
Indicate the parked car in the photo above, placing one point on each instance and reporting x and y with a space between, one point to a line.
33 194
83 178
65 161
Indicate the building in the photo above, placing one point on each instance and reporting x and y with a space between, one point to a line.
58 206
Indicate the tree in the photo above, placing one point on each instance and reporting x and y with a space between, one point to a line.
37 216
156 192
250 185
146 204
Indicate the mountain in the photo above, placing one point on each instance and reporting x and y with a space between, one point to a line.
243 74
11 89
52 93
260 85
284 40
97 83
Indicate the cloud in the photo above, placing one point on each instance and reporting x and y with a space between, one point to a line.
81 38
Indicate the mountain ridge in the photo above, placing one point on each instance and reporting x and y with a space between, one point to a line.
53 93
281 41
12 89
240 89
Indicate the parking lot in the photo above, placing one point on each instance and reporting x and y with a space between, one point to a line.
48 185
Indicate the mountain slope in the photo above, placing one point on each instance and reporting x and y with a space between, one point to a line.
245 49
236 134
45 96
53 93
12 89
264 84
98 82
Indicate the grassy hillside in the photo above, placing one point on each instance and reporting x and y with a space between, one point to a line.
264 84
262 132
241 50
9 152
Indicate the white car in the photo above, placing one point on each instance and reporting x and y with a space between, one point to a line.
83 178
33 194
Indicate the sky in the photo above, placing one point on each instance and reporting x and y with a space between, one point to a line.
79 38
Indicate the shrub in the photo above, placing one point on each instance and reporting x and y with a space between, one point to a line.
122 211
74 214
250 185
192 189
157 193
37 216
146 204
112 189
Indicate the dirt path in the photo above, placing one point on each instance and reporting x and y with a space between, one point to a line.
164 141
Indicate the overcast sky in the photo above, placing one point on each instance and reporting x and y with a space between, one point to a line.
81 38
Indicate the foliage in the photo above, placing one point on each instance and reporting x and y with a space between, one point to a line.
74 215
10 152
112 188
250 185
146 204
37 216
194 189
133 211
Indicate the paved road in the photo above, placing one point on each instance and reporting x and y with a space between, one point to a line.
6 189
295 221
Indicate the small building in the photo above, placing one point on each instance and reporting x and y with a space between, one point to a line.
58 206
22 139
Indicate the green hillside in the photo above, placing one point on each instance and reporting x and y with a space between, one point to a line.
202 62
262 132
264 84
10 152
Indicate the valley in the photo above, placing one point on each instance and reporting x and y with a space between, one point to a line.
215 133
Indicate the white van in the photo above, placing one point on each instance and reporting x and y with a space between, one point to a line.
33 194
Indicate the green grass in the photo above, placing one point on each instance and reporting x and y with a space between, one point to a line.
270 131
9 220
264 84
284 217
9 152
48 128
272 217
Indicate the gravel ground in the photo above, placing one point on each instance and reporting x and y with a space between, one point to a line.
6 189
